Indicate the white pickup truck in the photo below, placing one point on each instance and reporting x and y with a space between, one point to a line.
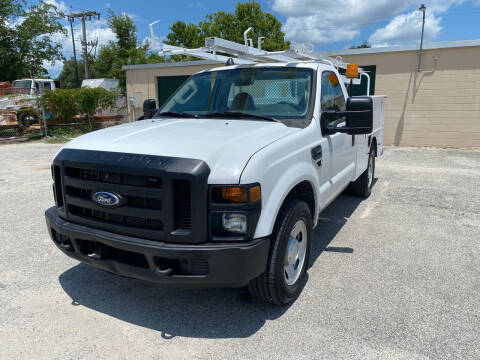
223 186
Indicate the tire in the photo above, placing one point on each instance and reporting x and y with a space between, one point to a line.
285 274
363 185
28 119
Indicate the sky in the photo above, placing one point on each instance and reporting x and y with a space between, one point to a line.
326 24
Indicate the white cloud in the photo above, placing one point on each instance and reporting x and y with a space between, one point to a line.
61 6
96 29
154 45
53 69
405 29
324 21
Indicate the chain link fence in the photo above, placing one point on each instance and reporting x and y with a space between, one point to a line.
9 131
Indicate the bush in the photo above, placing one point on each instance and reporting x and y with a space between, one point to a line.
61 102
66 103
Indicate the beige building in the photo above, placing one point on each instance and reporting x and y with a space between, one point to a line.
438 106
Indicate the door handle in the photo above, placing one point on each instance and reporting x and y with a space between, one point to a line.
317 155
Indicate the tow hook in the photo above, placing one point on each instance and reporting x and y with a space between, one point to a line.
97 255
160 272
65 246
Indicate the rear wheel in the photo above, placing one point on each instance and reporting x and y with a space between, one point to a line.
289 256
363 185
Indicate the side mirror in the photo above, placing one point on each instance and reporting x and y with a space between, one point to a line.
149 108
358 117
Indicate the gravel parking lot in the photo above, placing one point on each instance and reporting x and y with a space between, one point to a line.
396 276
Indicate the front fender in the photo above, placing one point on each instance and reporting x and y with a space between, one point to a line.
277 195
279 168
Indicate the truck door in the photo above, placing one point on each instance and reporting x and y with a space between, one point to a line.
342 146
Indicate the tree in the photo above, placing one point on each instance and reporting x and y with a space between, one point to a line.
125 51
124 28
26 38
231 27
67 78
364 45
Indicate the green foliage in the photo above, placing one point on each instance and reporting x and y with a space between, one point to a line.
89 101
60 102
59 135
111 58
67 77
231 27
66 103
364 45
113 55
26 38
125 51
125 30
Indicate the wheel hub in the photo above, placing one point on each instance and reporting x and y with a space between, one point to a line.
296 251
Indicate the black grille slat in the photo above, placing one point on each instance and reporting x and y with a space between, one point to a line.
114 218
121 210
126 190
182 205
133 201
199 266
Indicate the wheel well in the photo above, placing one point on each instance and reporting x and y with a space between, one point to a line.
302 191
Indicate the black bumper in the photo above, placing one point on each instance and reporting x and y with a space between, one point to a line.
180 265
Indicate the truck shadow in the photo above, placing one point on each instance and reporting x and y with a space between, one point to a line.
212 313
330 222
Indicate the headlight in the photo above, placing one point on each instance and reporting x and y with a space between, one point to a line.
236 223
234 211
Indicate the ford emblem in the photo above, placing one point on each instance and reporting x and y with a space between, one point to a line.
104 198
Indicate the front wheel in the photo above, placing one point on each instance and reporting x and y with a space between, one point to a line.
289 256
28 119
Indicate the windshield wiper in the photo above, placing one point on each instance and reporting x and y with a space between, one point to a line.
238 114
177 114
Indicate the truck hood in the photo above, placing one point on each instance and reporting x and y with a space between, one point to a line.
225 145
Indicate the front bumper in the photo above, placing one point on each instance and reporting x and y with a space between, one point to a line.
180 265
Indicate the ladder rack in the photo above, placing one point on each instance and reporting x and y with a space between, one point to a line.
222 50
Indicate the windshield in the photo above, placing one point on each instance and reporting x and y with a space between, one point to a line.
280 93
22 84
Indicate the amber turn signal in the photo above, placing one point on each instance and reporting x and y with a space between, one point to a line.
234 194
255 193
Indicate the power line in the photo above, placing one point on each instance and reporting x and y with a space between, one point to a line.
84 15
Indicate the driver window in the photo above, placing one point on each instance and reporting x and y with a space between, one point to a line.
332 97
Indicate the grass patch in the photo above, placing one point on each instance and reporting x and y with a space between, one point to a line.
60 135
56 140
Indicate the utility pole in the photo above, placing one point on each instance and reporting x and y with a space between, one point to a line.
84 15
420 53
71 20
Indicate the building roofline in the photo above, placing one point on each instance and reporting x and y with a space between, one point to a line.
171 64
435 45
431 46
